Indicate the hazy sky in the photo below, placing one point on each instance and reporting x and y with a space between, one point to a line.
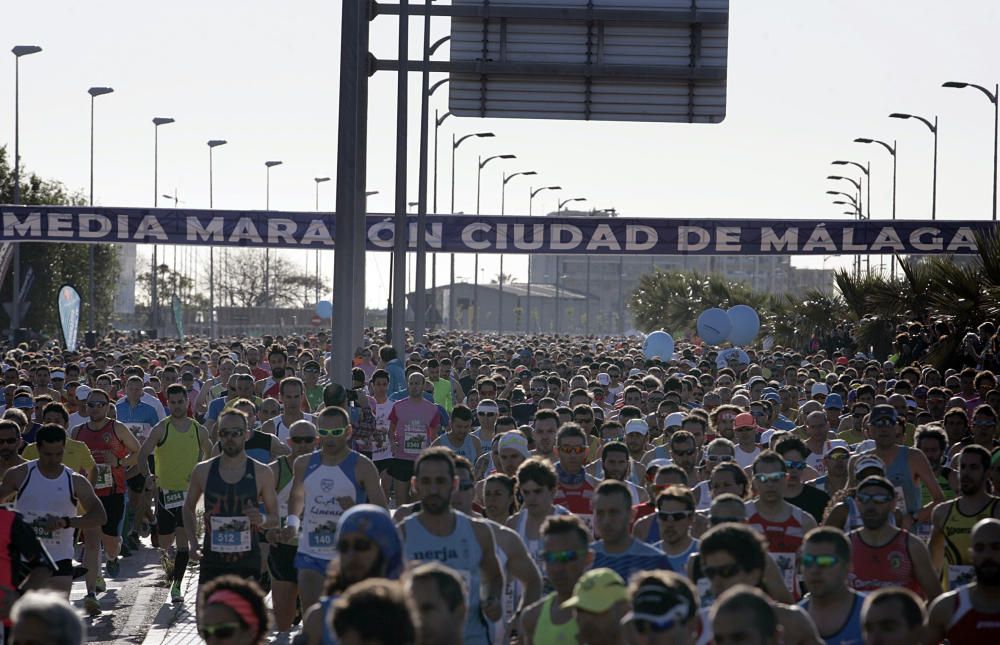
805 78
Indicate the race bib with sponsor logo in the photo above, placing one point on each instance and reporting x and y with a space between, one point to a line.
230 534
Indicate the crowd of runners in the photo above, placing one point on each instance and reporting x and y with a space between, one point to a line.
485 490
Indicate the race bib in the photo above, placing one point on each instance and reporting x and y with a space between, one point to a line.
230 534
42 533
174 498
960 575
140 430
321 537
413 440
104 477
786 565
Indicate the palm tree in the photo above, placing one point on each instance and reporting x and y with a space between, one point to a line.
503 278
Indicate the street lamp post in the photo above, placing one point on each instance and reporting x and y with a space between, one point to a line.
559 207
94 93
212 329
454 147
318 180
267 251
933 127
475 286
438 120
154 302
891 149
992 96
18 51
866 170
503 211
527 296
855 203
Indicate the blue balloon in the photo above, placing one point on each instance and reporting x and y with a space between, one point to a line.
658 343
324 309
746 325
714 326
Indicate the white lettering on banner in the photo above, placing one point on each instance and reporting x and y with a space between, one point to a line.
375 234
60 224
31 225
433 236
964 239
917 239
469 240
245 231
501 237
848 241
87 220
727 238
149 226
317 231
123 227
684 234
820 238
887 238
537 237
280 230
215 231
632 242
771 241
603 237
558 244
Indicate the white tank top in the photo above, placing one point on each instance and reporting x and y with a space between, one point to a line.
40 496
281 430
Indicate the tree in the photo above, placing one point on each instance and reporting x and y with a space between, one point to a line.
241 284
503 278
53 265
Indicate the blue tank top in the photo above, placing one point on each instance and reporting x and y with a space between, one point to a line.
467 449
329 637
679 561
459 551
850 631
654 532
898 472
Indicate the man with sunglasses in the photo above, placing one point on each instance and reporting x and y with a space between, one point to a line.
883 554
834 607
575 489
325 484
808 498
675 515
312 387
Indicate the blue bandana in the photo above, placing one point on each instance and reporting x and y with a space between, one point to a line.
376 525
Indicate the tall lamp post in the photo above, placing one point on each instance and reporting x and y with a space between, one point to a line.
559 207
527 296
438 120
891 149
503 211
154 278
855 203
318 180
454 148
479 183
212 329
992 96
94 93
18 51
267 251
866 170
933 127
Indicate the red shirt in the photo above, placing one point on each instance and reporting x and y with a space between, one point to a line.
884 566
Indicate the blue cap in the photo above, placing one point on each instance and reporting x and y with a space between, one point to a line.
773 397
834 402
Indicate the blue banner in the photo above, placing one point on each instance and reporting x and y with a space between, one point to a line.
496 234
69 315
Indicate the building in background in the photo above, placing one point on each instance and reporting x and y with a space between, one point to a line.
127 274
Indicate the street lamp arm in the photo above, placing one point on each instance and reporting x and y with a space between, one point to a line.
443 117
890 149
990 95
440 41
432 88
474 134
900 115
535 192
507 178
482 164
853 163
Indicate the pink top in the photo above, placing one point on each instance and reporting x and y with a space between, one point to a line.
417 423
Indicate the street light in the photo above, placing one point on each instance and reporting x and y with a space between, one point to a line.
535 191
933 127
212 145
479 176
866 169
892 151
571 199
267 250
527 296
154 278
992 96
454 147
94 93
18 51
503 211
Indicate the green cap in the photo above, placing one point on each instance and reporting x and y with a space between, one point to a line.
597 590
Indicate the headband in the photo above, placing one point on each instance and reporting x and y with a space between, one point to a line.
237 603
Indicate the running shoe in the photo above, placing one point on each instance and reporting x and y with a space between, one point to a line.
124 551
113 567
133 541
175 593
101 586
91 605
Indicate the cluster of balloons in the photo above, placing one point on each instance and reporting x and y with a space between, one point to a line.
739 325
324 309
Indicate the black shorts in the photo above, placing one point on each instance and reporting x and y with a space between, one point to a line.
64 568
401 469
281 563
136 483
209 572
168 520
114 507
383 464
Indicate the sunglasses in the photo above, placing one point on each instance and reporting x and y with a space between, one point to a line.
795 465
986 423
303 439
573 450
714 459
676 516
331 432
561 557
219 630
359 546
684 453
878 498
644 626
96 404
822 561
725 571
883 423
764 478
225 434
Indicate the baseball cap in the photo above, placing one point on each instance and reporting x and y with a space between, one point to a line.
636 425
597 590
866 462
834 402
882 411
743 420
774 397
83 392
659 604
24 402
842 360
755 379
920 390
604 378
635 371
881 482
819 388
58 374
674 419
514 441
835 444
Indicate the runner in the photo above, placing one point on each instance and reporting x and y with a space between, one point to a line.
972 612
10 442
808 498
664 609
437 532
112 445
270 385
176 445
232 609
375 612
47 495
76 455
950 545
536 485
325 484
746 615
378 386
617 549
290 393
437 596
260 446
575 489
600 600
674 517
544 430
883 554
413 425
893 616
232 484
834 607
835 461
458 438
